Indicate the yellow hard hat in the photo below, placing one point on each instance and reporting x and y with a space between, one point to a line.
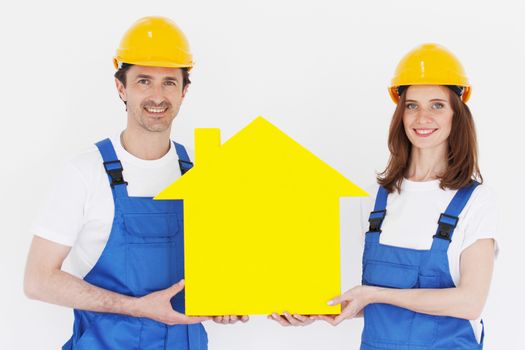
154 41
429 64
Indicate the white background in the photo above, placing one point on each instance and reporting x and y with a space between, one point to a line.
317 70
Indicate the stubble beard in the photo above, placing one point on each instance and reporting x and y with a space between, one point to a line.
152 124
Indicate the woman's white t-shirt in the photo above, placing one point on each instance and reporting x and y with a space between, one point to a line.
412 217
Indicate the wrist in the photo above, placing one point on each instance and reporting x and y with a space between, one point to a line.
374 296
133 306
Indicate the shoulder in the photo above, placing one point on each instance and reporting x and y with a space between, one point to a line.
480 216
86 164
484 194
482 201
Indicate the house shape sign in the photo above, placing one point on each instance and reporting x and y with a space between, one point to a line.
261 225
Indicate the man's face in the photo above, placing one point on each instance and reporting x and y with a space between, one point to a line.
153 96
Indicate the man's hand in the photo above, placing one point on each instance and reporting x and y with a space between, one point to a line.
157 306
230 319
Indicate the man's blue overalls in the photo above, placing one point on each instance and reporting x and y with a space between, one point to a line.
144 254
395 328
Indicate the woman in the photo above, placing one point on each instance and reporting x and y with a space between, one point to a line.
430 248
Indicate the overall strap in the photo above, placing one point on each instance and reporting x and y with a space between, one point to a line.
185 163
377 216
113 168
449 219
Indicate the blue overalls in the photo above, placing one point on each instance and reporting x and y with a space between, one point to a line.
395 328
144 254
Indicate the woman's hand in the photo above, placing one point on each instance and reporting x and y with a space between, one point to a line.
287 320
353 301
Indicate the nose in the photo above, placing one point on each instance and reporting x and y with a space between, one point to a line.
424 116
157 94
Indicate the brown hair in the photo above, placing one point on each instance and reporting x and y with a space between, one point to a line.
462 149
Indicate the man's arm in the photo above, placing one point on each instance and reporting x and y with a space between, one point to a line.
44 280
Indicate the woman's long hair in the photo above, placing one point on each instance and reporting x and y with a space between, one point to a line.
462 149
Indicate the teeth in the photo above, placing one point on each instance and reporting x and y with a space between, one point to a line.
424 131
155 110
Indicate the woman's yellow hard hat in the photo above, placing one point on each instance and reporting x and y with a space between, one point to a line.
429 64
154 41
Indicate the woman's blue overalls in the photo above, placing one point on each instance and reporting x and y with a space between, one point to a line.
144 254
395 328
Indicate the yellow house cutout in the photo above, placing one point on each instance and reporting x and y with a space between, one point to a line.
261 225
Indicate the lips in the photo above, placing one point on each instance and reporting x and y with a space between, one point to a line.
156 110
424 132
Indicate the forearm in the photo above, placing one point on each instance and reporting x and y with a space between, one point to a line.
61 288
454 302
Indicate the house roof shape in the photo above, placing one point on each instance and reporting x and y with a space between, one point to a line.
258 154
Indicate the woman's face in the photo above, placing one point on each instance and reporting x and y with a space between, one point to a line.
427 116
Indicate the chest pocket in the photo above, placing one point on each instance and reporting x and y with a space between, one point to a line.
383 274
154 253
151 228
392 324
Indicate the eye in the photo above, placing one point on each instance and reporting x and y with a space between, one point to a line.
170 83
411 106
438 105
143 81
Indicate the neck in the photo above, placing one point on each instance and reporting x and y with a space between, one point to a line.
144 144
427 164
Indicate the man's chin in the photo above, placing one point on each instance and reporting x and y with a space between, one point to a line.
157 126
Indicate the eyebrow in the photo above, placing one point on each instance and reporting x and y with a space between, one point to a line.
432 100
145 76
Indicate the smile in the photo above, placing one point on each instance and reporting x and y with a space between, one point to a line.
155 110
424 132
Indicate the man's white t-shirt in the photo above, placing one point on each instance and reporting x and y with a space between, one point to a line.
79 208
412 216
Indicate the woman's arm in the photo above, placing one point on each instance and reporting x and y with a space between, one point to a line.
465 301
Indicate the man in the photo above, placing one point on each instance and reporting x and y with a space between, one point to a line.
125 249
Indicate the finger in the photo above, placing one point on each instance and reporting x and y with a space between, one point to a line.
217 319
199 319
280 320
346 314
245 318
337 300
291 319
234 318
302 318
177 287
183 319
328 319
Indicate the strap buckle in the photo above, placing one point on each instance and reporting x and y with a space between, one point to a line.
184 166
447 224
376 219
114 170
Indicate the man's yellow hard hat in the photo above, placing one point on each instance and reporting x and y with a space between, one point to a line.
429 64
154 41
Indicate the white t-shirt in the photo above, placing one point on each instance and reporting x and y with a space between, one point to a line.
79 209
412 216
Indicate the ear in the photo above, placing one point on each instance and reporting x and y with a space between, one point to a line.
185 90
121 89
